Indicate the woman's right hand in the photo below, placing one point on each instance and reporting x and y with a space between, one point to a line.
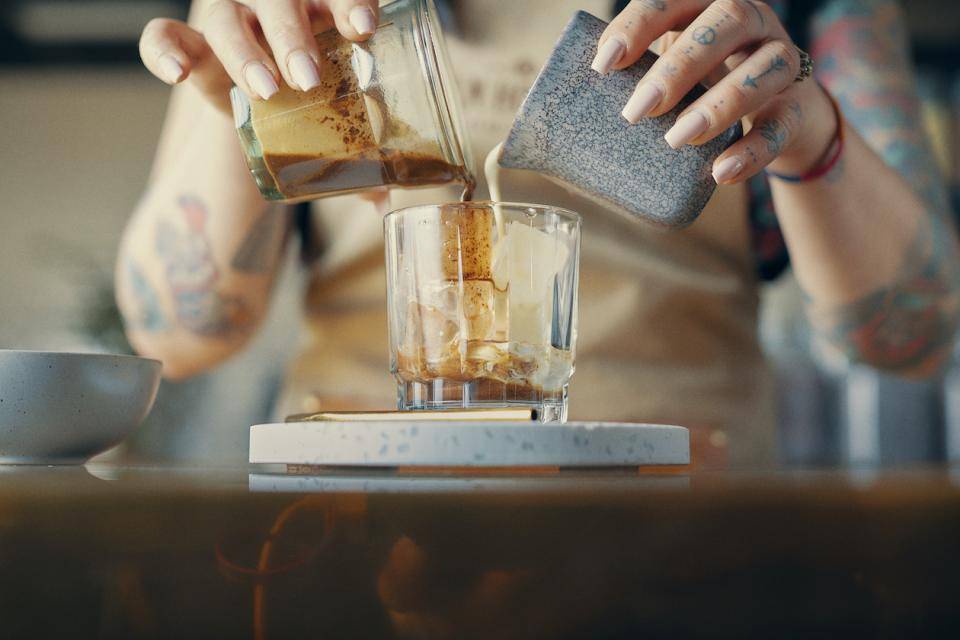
226 49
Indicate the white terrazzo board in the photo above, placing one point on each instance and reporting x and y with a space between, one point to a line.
469 444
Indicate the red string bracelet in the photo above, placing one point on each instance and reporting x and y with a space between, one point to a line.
832 155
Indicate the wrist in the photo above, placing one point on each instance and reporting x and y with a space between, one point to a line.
818 131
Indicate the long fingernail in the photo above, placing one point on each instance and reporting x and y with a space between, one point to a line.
686 129
608 55
261 80
643 100
303 70
170 68
727 169
363 20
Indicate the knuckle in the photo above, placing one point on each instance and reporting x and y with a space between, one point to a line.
733 97
736 11
218 10
158 28
788 52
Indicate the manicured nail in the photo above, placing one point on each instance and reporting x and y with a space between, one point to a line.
303 70
727 169
170 68
363 20
261 80
686 129
643 100
608 55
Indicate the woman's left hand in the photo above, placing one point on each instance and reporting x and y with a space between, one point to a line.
744 51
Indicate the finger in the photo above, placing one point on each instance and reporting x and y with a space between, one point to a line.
228 28
286 26
165 48
767 72
724 28
774 128
635 28
174 52
355 19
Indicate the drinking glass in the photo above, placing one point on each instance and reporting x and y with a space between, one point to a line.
482 305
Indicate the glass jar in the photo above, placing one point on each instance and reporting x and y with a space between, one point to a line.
385 114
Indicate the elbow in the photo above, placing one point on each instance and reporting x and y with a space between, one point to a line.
914 355
185 356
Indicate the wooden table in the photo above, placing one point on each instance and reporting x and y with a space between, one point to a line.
112 552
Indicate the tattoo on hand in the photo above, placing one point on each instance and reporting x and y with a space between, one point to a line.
775 134
705 35
659 5
777 64
147 315
262 246
192 275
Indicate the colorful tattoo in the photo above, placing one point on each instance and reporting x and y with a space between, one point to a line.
261 248
147 314
777 64
192 275
862 54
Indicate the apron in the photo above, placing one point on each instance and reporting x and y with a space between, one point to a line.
668 320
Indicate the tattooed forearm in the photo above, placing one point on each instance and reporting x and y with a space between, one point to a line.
862 52
261 248
184 249
906 326
142 311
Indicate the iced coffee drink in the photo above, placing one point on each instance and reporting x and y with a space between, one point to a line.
482 301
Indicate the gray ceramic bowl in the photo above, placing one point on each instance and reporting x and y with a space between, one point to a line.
64 408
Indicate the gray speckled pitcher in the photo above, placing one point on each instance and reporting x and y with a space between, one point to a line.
569 128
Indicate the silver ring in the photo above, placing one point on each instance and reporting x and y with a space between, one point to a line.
806 66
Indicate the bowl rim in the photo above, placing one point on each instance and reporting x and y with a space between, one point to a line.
79 354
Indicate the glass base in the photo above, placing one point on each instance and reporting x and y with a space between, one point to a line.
440 394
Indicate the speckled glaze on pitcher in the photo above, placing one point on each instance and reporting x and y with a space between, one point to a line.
569 128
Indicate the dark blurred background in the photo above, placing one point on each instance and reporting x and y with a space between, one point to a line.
82 121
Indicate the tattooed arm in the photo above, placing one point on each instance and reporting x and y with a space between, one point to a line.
201 251
873 243
200 254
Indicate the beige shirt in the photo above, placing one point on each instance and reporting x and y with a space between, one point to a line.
668 320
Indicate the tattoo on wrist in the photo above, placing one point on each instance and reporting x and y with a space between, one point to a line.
145 314
261 248
777 64
192 275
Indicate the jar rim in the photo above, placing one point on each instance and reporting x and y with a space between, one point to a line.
445 98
